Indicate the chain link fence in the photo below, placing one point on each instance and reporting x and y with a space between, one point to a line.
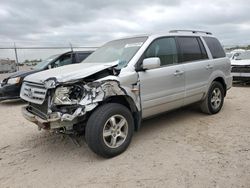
30 53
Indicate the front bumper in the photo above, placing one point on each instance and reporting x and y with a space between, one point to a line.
237 76
10 92
43 124
241 73
54 121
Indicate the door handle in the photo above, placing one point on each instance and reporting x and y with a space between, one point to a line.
178 72
209 67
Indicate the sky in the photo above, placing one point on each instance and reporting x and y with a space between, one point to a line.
94 22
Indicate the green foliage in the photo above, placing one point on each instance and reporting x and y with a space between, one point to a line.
32 61
239 47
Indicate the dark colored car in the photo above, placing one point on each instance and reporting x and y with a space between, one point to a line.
11 86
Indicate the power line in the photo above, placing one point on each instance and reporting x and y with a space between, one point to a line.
48 47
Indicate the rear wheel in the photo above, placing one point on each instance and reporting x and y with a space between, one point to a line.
109 130
214 99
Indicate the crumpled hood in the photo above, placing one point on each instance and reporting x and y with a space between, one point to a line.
69 72
244 62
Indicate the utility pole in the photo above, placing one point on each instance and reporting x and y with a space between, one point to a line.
17 64
71 46
71 55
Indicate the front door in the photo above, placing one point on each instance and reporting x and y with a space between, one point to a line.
162 88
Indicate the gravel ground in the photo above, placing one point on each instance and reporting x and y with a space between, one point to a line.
183 148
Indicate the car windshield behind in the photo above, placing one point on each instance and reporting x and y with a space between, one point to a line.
121 51
241 55
45 63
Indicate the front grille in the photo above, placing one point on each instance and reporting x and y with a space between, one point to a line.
241 69
39 110
34 93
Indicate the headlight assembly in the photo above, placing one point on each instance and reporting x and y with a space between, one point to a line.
50 84
12 81
62 95
68 95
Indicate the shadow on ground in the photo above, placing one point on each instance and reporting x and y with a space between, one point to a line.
241 84
14 102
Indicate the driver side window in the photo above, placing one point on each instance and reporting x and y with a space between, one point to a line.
165 49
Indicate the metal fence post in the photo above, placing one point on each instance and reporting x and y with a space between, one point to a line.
71 48
17 64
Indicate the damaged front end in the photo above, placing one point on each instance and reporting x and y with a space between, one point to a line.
61 106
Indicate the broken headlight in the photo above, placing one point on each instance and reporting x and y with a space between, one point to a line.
68 95
48 84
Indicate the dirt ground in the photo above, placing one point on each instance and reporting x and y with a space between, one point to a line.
183 148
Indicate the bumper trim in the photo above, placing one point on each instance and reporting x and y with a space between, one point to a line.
240 74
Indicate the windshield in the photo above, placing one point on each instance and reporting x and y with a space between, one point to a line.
118 50
45 62
241 55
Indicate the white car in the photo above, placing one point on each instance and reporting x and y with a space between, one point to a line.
240 63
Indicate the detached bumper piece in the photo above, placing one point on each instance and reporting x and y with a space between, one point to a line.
42 123
54 120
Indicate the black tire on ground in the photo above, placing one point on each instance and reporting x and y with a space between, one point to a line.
101 118
207 106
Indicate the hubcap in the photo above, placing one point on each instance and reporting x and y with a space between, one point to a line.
216 98
115 131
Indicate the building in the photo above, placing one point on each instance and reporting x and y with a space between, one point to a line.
7 65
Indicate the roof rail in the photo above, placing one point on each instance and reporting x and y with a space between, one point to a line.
192 31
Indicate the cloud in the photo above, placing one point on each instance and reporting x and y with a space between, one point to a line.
93 22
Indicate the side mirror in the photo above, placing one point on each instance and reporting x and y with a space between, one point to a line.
151 63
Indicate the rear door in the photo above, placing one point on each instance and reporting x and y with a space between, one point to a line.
197 66
221 62
162 88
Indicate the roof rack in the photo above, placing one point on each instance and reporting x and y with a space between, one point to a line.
192 31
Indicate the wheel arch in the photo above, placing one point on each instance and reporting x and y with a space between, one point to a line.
222 81
128 102
220 77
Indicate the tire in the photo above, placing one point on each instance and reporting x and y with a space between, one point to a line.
109 130
209 105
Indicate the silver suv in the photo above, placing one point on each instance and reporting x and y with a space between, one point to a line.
109 93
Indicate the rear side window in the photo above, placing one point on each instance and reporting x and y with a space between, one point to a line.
63 60
191 49
82 56
215 47
165 49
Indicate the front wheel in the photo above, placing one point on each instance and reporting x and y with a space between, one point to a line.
214 100
109 130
